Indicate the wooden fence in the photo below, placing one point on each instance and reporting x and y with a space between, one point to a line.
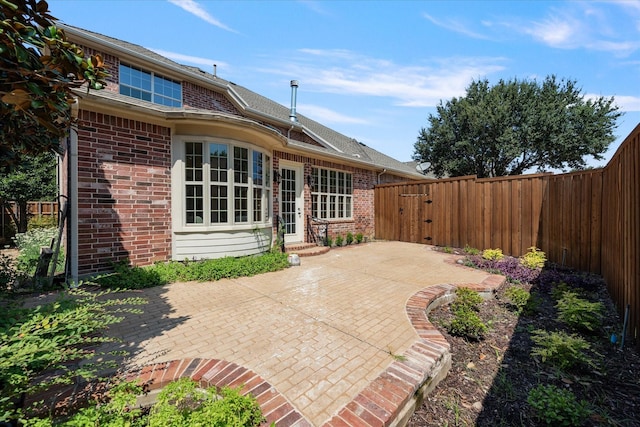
35 209
587 220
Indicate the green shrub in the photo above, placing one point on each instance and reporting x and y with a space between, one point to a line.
557 407
492 254
521 300
466 323
349 239
560 349
126 277
29 244
466 298
471 251
533 259
46 339
359 237
579 313
180 403
329 241
339 240
558 290
42 221
447 250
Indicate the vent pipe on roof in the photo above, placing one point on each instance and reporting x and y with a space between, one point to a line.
294 92
215 71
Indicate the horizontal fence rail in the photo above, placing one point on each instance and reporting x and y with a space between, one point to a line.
588 220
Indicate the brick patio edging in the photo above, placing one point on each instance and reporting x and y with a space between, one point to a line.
392 397
387 401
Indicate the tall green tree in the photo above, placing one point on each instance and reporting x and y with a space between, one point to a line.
39 69
515 126
31 179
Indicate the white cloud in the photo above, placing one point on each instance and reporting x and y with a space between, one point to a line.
346 73
455 26
325 115
556 31
187 59
195 9
628 103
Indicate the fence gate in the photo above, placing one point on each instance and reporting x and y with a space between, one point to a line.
415 213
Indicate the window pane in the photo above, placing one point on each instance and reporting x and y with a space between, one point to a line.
324 181
240 165
193 161
257 204
218 162
194 204
219 204
348 184
258 167
241 204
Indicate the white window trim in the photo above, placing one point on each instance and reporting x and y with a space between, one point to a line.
153 91
318 193
178 191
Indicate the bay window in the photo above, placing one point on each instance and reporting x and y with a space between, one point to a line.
225 184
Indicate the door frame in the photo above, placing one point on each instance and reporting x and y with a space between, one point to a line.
298 236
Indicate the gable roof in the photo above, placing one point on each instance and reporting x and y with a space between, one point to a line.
334 144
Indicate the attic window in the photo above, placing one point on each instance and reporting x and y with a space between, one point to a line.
140 84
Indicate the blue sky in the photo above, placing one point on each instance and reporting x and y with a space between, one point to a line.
375 70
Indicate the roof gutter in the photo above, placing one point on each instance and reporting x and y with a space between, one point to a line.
379 175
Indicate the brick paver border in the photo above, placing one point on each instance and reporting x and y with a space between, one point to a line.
387 401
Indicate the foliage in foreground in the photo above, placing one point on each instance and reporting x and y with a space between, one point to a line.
557 407
29 245
40 69
127 277
54 339
180 403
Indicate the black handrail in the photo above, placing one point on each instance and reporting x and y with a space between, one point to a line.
317 234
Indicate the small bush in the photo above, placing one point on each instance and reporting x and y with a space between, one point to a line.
557 407
471 251
42 221
29 244
560 349
359 237
466 299
339 240
558 290
521 300
349 239
579 313
467 324
492 254
329 241
533 259
447 250
180 403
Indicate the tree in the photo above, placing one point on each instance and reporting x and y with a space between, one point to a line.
31 179
515 126
39 69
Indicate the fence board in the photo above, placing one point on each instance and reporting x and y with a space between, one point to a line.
587 220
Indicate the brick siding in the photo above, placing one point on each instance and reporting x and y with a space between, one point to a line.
124 192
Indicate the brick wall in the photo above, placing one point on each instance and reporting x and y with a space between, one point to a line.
124 192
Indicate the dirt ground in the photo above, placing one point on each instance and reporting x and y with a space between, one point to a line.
490 379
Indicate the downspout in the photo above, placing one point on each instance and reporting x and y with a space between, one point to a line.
72 195
379 175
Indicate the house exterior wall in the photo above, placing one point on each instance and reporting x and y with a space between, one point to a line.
363 182
123 192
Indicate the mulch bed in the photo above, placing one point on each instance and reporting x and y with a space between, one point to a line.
490 379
